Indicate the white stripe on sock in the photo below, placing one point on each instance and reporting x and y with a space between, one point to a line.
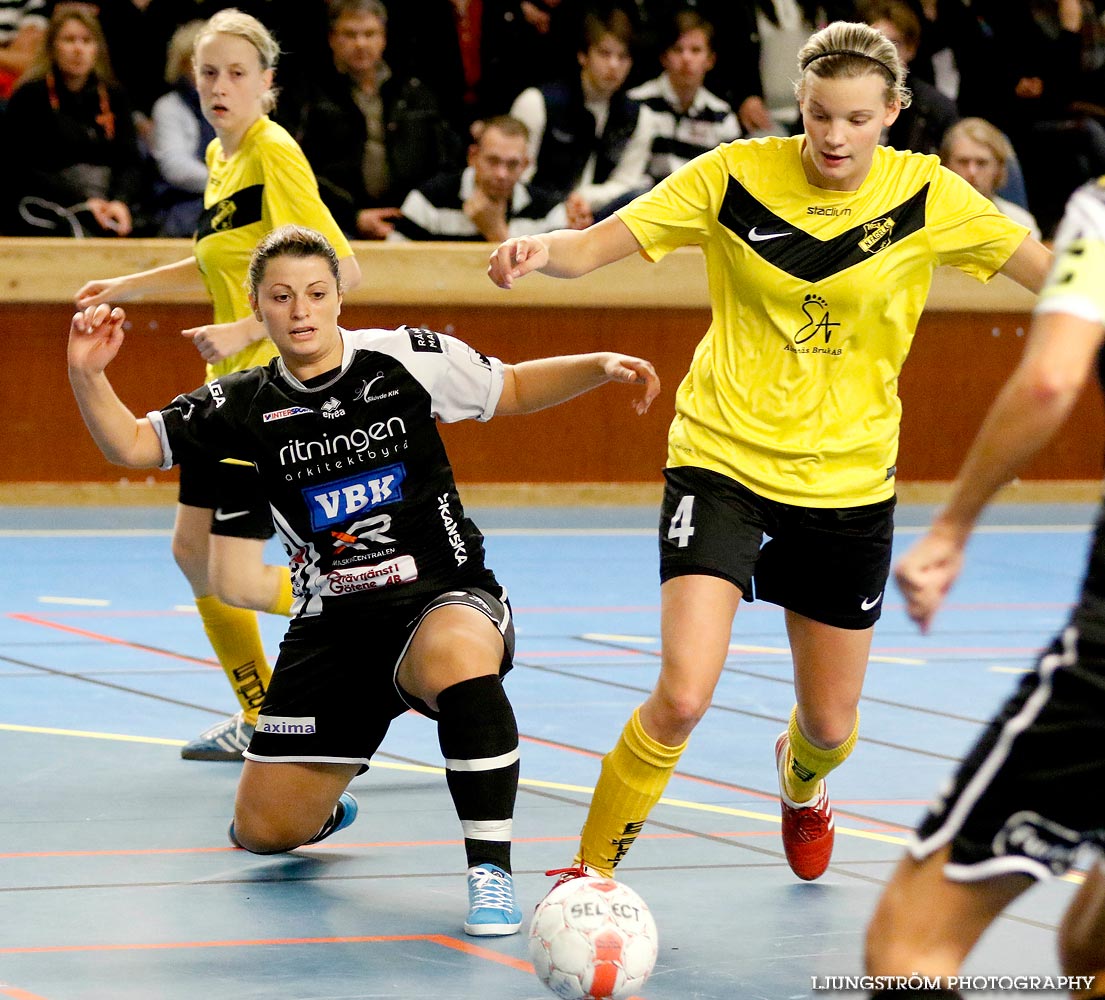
482 763
487 829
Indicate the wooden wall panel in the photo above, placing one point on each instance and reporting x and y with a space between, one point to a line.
966 345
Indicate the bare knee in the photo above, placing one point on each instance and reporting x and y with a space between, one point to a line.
240 585
271 833
190 554
827 726
670 715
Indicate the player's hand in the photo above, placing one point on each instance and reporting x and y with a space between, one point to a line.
95 336
516 257
579 211
218 341
623 368
927 571
93 293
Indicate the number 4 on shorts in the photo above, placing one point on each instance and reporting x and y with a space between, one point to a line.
680 529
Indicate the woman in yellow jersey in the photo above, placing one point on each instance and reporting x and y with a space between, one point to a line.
258 179
820 250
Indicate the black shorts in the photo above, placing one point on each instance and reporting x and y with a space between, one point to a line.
233 492
828 564
1028 795
334 690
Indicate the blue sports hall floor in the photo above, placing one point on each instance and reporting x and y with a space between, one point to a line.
117 881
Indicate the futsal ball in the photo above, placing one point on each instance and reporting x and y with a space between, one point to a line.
592 939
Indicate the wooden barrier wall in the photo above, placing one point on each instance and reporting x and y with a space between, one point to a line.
969 339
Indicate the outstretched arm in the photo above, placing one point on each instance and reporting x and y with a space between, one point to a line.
563 253
1029 264
180 276
95 336
1030 408
534 385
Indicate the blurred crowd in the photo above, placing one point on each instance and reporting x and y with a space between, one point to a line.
478 119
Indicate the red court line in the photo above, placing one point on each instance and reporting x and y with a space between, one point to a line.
439 939
17 994
84 633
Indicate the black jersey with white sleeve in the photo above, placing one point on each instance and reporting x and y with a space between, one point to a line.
361 489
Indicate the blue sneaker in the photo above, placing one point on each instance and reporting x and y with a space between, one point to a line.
343 815
223 741
492 911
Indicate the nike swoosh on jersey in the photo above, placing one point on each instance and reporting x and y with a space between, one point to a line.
760 237
867 605
220 516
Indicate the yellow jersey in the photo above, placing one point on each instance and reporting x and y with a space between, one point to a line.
265 184
815 295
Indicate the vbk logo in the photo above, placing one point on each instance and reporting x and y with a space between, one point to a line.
339 501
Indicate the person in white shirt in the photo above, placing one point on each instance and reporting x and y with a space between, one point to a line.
686 118
589 142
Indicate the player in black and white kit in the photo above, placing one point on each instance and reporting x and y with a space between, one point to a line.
1026 801
394 607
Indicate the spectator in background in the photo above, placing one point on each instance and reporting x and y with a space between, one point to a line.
922 125
79 172
463 50
589 142
762 90
369 134
1050 49
686 118
179 140
981 154
488 200
22 25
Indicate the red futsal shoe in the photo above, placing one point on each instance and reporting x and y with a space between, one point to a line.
807 826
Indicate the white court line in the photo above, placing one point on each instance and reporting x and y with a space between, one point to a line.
89 602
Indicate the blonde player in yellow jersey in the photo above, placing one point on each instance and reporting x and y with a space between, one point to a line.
1025 800
258 179
820 250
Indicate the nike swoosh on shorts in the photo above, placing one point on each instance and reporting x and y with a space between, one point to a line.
220 516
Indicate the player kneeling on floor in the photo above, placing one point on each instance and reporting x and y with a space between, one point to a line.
394 607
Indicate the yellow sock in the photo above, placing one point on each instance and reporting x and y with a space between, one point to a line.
282 604
236 639
807 765
634 776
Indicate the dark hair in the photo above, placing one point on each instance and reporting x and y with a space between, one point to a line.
597 26
290 241
685 21
337 9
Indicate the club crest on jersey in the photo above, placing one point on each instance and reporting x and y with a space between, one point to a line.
878 235
333 503
223 217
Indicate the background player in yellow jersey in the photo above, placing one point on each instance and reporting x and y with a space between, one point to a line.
820 250
1027 797
258 179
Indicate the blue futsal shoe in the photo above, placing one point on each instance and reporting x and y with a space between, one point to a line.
343 815
223 741
492 910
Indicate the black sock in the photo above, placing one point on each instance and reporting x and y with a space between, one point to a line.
478 736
